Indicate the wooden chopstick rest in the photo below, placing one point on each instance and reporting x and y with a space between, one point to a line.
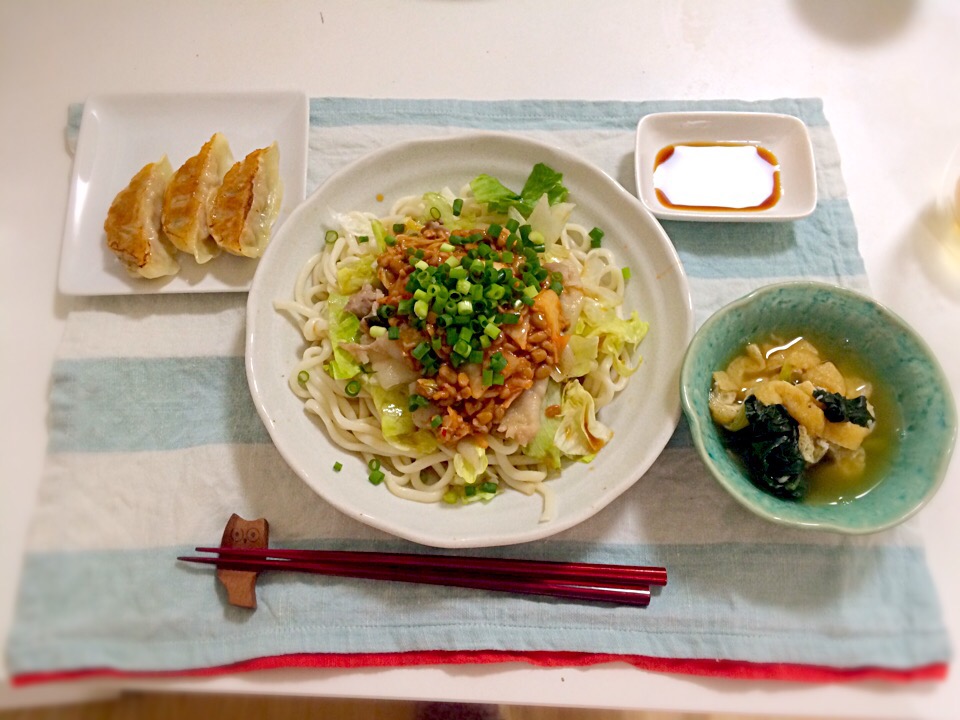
241 585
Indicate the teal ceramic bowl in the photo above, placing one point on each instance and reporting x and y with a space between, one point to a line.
888 349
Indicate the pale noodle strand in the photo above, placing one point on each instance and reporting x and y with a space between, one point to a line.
549 510
353 423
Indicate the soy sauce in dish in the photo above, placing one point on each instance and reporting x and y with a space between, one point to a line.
717 176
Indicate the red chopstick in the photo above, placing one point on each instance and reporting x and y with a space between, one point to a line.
591 572
615 584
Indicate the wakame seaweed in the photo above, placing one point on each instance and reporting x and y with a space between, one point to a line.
837 408
770 448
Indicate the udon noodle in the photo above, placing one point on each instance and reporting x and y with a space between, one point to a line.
546 344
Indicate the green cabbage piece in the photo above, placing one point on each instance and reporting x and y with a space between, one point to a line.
583 356
549 220
463 221
379 234
353 275
579 434
542 446
470 462
615 333
396 422
344 327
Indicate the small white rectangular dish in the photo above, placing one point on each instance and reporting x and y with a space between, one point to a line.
119 134
783 136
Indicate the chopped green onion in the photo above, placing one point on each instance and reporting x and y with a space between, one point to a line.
417 402
435 213
457 207
302 377
450 497
331 237
436 421
494 230
469 490
446 247
374 464
337 466
464 307
363 239
625 272
421 308
462 348
390 240
376 477
488 487
393 333
420 350
596 235
399 228
378 331
352 388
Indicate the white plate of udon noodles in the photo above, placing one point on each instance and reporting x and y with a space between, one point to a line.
329 431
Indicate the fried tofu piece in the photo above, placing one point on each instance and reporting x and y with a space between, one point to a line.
826 376
797 399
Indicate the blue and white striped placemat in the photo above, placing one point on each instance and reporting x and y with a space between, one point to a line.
155 442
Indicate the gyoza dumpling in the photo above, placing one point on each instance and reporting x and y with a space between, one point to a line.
188 196
247 203
133 224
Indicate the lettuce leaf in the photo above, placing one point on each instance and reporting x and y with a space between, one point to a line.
543 180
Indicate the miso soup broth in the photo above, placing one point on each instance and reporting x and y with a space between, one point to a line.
827 481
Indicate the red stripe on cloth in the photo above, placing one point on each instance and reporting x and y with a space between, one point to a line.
711 668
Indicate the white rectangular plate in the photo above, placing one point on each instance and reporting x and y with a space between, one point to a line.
783 135
119 134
